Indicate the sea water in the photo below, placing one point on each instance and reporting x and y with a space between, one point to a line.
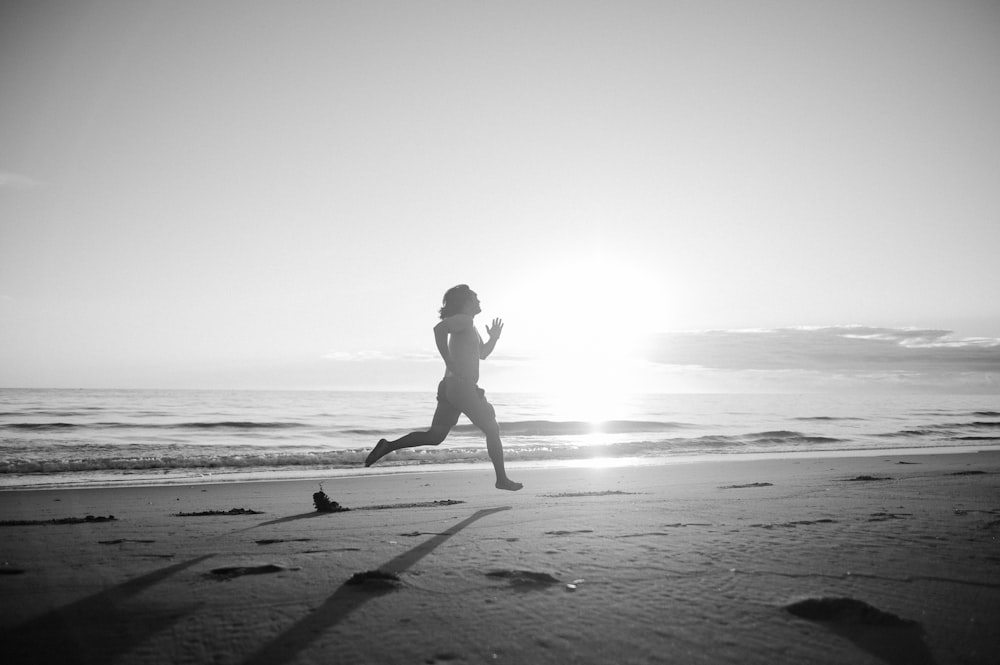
55 438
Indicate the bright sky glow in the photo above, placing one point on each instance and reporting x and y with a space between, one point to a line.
272 195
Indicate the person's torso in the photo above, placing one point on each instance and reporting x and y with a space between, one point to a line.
464 349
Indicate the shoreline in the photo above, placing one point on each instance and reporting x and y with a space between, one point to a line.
74 481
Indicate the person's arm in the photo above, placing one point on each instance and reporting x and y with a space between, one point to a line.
441 340
493 331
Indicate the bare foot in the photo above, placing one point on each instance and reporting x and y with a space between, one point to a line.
508 484
377 453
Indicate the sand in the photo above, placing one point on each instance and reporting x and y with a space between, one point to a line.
802 560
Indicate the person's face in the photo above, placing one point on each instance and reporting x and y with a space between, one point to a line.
472 304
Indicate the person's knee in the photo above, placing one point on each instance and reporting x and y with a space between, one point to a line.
436 436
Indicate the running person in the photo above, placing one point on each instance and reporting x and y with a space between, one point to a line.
461 347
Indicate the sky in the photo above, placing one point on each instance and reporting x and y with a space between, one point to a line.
666 196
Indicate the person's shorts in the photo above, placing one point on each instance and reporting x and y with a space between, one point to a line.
470 399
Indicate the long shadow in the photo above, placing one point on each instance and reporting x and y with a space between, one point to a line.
290 518
314 513
896 645
96 629
347 599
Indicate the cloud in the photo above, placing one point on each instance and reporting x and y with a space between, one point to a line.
830 349
16 181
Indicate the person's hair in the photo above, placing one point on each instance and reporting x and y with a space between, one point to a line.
454 300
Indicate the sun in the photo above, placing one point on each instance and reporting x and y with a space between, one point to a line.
586 323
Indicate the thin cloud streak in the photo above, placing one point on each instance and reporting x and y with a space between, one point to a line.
834 348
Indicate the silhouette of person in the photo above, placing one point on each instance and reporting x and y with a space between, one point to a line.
461 347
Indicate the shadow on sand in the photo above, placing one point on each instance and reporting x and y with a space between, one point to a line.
347 598
96 629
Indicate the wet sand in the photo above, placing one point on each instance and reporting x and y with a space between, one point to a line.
821 560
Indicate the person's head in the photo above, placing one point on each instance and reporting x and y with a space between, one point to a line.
459 300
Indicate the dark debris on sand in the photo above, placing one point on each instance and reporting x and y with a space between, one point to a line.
890 638
231 572
231 511
376 579
524 580
416 504
568 495
89 519
325 505
866 478
845 610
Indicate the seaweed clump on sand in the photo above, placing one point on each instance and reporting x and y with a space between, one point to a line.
324 504
89 519
231 511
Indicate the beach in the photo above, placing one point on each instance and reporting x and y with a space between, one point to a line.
865 559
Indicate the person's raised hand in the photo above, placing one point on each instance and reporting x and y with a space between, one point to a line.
495 330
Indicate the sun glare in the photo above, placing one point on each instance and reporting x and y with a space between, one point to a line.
587 323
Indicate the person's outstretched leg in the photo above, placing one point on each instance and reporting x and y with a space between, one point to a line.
445 418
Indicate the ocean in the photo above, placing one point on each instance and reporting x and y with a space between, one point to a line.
73 438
